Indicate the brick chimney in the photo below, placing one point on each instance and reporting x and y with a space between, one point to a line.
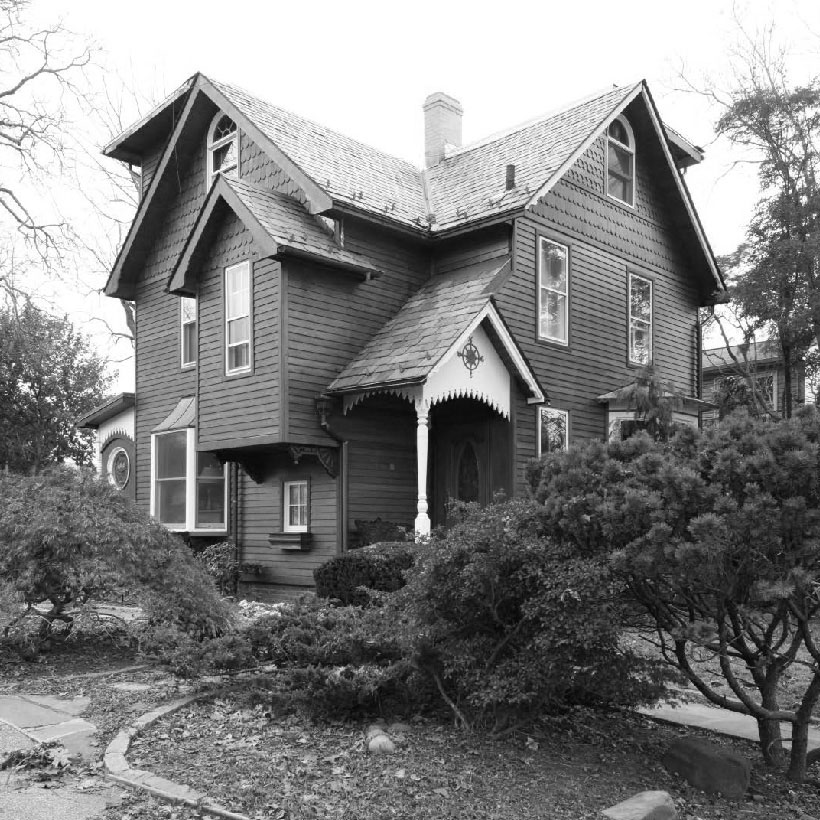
442 127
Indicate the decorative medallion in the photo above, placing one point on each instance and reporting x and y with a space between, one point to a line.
470 356
119 468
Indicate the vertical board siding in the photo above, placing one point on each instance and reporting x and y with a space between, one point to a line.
606 241
332 315
261 514
242 407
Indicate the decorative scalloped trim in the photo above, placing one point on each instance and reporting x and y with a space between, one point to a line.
466 393
413 396
410 394
115 434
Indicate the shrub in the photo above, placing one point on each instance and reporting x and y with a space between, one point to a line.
377 531
222 564
511 621
377 567
69 539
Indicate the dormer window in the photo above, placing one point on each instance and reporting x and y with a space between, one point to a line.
223 148
620 161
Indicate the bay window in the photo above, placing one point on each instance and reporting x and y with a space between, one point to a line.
188 344
238 318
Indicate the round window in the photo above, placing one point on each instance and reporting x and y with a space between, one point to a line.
118 468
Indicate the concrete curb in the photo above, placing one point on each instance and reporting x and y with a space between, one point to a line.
118 770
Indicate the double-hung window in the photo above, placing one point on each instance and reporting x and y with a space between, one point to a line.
188 489
187 312
553 291
553 427
238 318
296 506
640 320
223 148
620 161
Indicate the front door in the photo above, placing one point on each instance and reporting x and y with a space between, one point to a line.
469 453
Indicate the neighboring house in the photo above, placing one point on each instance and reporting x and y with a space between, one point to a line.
327 334
113 423
752 363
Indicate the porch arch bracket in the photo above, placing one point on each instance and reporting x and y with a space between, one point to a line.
327 457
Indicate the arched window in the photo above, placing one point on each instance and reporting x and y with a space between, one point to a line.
223 148
620 161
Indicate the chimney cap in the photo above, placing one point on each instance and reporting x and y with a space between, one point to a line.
440 98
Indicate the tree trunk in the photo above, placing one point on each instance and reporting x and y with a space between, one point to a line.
800 748
787 382
771 738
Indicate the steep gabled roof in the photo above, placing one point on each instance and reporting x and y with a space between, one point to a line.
766 352
409 347
279 224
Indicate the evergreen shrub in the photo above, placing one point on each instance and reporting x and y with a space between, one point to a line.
380 567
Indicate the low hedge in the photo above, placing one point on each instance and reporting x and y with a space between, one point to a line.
377 567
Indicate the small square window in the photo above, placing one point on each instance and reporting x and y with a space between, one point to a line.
553 430
296 506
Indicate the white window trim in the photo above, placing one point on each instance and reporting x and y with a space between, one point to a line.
632 360
182 323
246 368
565 413
286 485
543 240
211 147
631 149
190 487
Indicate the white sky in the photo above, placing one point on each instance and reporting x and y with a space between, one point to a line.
364 68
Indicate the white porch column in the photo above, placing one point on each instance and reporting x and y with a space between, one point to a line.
422 519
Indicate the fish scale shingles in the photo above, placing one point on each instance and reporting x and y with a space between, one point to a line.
413 341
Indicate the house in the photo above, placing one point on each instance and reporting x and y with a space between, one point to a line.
113 423
758 364
327 334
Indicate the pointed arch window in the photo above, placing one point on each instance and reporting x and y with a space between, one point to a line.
620 161
223 147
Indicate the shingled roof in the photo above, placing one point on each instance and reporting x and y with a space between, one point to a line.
411 344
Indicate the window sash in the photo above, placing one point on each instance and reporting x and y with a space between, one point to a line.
553 430
188 331
553 291
620 171
295 506
192 496
640 319
237 318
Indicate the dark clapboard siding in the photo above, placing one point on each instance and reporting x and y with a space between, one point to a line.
239 409
331 315
261 510
160 382
606 240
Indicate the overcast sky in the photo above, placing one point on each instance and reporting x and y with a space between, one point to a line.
364 68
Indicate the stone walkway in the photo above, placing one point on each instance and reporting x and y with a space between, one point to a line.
28 720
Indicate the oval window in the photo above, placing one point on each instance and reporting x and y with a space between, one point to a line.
118 468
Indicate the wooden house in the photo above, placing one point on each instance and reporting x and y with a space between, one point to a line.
327 334
755 366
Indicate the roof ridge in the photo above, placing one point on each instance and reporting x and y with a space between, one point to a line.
320 126
562 109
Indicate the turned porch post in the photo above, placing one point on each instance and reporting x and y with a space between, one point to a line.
422 519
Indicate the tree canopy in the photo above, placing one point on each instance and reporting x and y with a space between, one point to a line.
49 377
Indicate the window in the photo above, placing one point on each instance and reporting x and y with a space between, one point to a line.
553 428
640 320
223 148
620 161
296 505
118 468
238 318
553 291
187 312
189 489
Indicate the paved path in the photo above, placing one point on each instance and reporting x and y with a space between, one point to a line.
719 720
25 721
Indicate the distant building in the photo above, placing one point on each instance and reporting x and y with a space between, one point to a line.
758 363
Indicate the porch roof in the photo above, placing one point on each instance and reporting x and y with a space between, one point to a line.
418 338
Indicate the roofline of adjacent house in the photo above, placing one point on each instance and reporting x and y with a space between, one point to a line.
111 407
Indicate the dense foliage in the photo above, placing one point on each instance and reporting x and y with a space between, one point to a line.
222 563
510 621
716 536
49 377
67 539
348 577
